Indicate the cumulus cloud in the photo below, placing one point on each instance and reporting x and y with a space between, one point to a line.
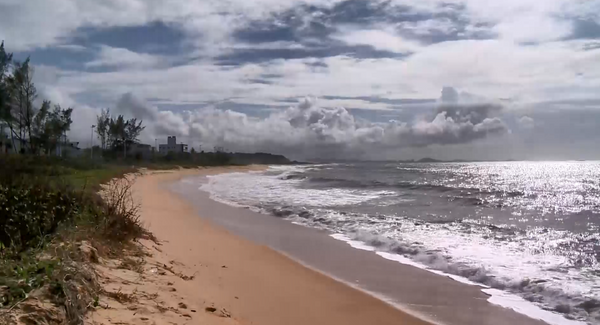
526 122
158 122
379 57
308 130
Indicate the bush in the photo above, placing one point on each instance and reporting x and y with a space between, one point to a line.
30 213
48 205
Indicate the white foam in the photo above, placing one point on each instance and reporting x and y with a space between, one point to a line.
497 297
523 306
503 262
354 243
268 188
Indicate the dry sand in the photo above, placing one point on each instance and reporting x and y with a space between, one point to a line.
233 281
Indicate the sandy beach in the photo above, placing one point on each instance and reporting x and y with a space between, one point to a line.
202 274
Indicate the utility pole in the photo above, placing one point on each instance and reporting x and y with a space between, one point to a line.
92 143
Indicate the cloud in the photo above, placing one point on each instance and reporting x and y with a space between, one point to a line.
155 37
308 130
585 29
383 40
122 58
160 123
449 95
381 60
526 122
71 47
245 56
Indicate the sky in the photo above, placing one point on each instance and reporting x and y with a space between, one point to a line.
343 79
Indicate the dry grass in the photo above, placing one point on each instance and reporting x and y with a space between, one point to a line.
136 265
121 297
120 216
179 274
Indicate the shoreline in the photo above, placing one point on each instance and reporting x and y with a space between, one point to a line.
244 282
428 295
282 270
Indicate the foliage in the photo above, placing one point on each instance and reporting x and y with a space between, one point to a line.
49 126
5 61
22 93
118 218
21 278
43 218
117 132
102 127
31 212
33 128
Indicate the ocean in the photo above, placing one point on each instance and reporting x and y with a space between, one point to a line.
530 229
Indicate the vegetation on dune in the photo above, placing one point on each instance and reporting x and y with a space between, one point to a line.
46 215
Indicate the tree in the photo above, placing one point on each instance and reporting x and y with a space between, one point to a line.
59 124
49 126
5 114
102 127
22 93
41 127
118 132
35 128
133 129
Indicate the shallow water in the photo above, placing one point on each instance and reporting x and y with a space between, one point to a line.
528 228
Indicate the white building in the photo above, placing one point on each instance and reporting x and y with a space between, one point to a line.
172 146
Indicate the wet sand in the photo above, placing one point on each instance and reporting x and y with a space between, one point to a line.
433 297
253 283
218 264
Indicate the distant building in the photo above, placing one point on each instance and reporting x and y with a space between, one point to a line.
140 150
172 146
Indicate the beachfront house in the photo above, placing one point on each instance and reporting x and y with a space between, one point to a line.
172 146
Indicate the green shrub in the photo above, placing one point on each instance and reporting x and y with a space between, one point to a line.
21 277
30 213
